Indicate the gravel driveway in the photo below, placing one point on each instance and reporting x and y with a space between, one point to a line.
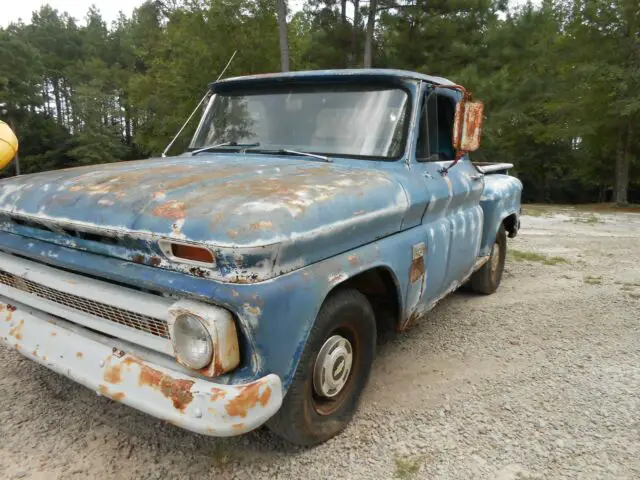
540 380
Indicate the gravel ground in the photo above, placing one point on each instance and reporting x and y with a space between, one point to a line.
540 380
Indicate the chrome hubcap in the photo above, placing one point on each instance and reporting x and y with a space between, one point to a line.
333 366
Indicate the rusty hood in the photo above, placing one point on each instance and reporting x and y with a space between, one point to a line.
311 210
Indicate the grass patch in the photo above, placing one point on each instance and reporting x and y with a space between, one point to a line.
221 455
590 219
608 207
593 280
538 210
628 286
547 210
520 256
407 468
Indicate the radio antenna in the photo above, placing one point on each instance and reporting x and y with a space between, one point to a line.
164 153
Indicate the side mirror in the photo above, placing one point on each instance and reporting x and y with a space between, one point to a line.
8 145
467 126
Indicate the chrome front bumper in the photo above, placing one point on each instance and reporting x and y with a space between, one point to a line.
103 365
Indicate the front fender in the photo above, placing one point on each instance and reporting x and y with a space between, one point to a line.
500 199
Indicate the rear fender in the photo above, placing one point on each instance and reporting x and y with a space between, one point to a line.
500 199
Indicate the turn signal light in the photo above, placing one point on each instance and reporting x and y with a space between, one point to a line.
189 252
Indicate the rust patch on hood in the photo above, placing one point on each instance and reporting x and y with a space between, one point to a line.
248 398
261 225
173 210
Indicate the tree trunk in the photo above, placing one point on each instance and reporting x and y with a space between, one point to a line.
368 42
281 6
354 30
623 154
343 11
127 121
56 96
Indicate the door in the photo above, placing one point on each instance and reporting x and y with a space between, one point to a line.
453 219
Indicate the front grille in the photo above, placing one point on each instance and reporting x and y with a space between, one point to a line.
121 316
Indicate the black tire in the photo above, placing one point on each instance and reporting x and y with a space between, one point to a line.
306 418
487 279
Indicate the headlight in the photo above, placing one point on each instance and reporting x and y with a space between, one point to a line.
204 337
191 342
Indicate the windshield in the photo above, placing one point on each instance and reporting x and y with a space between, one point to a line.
367 121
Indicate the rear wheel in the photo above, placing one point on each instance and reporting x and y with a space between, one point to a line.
487 279
333 371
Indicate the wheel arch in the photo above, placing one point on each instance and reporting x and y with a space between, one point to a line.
381 287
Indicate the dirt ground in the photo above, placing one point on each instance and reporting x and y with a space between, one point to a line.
539 380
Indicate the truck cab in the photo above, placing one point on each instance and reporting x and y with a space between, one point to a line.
244 281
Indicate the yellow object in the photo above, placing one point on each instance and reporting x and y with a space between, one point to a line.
8 145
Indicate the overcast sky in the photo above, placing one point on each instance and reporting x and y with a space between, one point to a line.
13 10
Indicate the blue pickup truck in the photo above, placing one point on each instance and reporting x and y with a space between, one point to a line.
243 282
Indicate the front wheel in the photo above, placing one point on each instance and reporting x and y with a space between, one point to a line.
333 370
487 279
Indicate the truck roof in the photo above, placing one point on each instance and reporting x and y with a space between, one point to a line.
354 73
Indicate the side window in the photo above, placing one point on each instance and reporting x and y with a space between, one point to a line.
435 129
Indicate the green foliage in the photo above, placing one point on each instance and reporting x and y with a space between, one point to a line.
521 256
561 81
407 467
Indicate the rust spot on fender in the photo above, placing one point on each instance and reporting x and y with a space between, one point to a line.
238 426
247 399
217 393
17 330
112 374
417 269
354 261
79 354
251 310
178 391
53 334
155 261
199 272
173 210
117 396
232 233
138 258
10 310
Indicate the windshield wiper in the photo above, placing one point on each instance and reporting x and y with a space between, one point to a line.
225 144
282 151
